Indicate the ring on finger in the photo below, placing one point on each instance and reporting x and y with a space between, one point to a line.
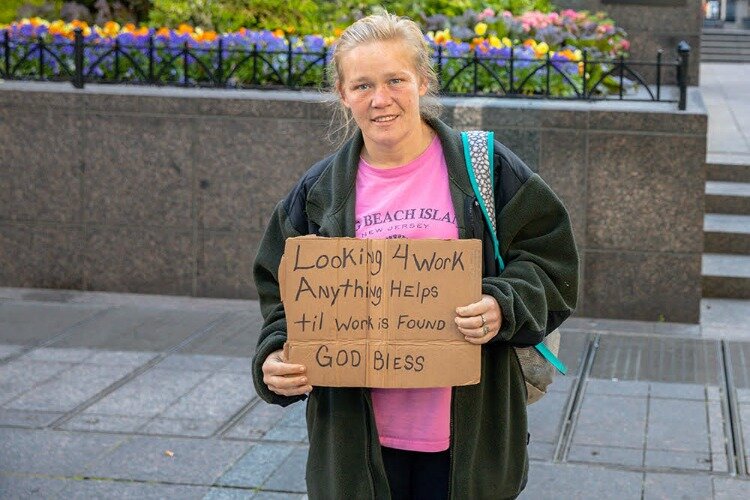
484 321
485 329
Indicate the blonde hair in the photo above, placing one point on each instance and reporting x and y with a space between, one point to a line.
381 27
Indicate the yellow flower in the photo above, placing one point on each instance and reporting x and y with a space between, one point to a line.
328 41
38 21
506 41
495 42
480 29
541 49
442 37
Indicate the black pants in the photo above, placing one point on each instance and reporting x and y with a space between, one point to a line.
416 475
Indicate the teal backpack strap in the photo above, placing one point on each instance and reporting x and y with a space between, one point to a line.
479 153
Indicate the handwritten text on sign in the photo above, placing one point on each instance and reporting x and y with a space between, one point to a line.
379 313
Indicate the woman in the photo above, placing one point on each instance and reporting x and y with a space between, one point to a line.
462 442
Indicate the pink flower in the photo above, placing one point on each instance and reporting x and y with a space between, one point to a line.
488 12
569 13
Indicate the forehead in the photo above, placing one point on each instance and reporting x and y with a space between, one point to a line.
373 59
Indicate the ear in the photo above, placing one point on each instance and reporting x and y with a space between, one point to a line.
342 95
423 86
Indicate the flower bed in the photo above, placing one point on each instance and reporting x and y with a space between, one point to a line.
485 53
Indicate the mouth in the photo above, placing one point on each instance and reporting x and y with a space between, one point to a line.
385 118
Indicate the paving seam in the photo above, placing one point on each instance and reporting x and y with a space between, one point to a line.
735 448
648 470
135 373
575 400
236 418
59 336
645 427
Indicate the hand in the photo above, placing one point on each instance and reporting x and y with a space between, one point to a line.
284 378
480 321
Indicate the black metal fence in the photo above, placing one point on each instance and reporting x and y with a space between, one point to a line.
507 73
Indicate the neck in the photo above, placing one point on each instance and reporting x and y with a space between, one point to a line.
408 149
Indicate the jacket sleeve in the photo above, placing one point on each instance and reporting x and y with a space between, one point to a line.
538 289
265 271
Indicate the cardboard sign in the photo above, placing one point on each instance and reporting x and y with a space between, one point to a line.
380 313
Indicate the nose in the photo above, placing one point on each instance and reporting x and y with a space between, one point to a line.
381 97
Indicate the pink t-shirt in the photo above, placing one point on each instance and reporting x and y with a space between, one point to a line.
410 201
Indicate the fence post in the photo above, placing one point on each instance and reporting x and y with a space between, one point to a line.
6 51
585 63
683 49
40 45
325 67
659 55
78 58
510 75
288 60
220 69
185 63
151 58
440 67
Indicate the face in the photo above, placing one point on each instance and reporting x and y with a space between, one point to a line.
381 87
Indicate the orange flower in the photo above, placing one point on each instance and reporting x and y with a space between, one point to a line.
337 32
184 29
206 36
278 33
163 32
476 42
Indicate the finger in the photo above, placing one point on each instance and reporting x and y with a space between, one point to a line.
476 332
284 382
281 368
472 321
297 391
474 309
483 306
481 340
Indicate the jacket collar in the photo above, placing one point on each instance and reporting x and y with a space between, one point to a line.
330 202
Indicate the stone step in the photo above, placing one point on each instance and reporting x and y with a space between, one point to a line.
729 172
725 46
725 58
728 197
721 33
727 234
726 276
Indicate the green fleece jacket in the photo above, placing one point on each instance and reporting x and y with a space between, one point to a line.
536 291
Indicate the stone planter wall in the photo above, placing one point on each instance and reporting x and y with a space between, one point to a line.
168 190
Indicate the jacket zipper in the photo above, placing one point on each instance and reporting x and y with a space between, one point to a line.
474 204
452 442
368 422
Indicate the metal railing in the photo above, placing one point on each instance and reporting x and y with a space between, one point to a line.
499 74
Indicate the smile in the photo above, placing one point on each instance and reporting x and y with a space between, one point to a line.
383 119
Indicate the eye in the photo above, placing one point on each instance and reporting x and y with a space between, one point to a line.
396 81
362 86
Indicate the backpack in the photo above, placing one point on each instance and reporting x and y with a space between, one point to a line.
539 362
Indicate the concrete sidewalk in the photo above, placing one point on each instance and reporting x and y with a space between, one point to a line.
726 93
135 396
